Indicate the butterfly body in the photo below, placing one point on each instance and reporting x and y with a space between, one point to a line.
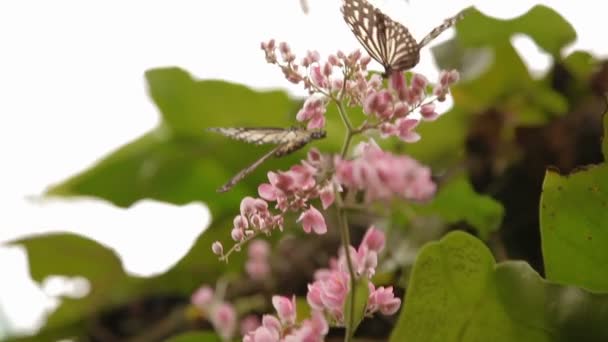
288 140
385 40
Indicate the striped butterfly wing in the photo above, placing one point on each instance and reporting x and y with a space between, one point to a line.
387 41
257 136
449 22
288 141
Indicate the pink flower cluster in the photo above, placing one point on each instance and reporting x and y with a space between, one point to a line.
257 265
345 77
284 328
293 190
393 106
383 175
222 315
331 287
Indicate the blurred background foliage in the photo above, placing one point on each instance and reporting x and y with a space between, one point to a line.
517 158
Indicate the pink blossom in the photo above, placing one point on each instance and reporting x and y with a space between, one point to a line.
202 297
240 222
405 130
383 300
224 320
262 334
237 234
272 323
373 239
382 175
313 297
419 81
397 82
217 248
317 77
311 330
257 269
259 249
286 308
327 196
249 324
428 112
313 220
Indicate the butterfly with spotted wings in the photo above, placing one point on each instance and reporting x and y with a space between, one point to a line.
385 40
288 140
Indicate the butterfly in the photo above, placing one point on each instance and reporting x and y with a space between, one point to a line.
288 140
385 40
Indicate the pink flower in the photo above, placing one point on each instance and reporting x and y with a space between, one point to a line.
318 78
382 175
257 269
311 330
327 196
313 297
224 320
271 323
428 112
217 248
313 220
397 81
286 309
259 249
373 239
249 324
240 222
405 130
237 234
202 297
334 290
262 334
383 300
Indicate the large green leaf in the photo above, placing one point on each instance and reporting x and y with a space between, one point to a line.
457 293
72 255
180 162
457 201
549 30
574 227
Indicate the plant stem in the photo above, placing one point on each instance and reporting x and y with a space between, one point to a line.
345 235
349 127
344 229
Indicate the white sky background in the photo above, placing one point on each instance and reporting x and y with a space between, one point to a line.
72 90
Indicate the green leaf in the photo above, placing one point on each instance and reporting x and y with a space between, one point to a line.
199 336
549 30
580 63
457 293
574 227
361 297
442 142
179 162
189 106
72 255
458 201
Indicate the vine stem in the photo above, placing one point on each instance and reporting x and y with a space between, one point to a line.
344 229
